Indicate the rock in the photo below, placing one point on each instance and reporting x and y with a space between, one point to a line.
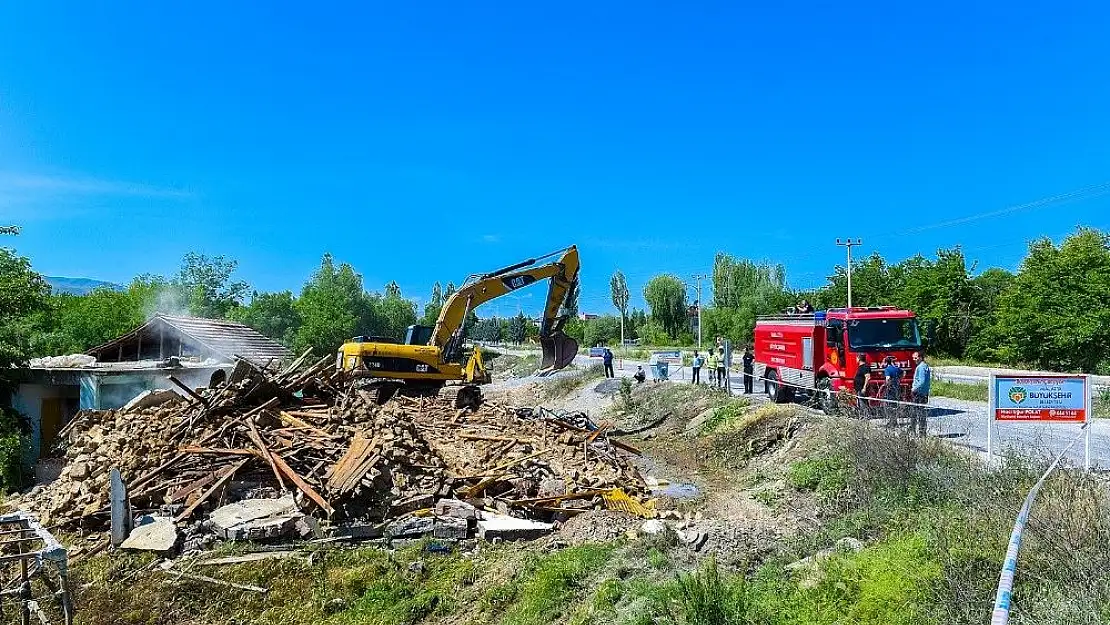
653 527
335 606
451 528
693 538
152 533
456 509
410 526
498 526
253 519
78 471
849 544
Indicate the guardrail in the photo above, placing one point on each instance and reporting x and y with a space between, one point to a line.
30 554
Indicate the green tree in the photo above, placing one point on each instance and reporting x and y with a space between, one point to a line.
433 307
518 328
393 313
273 314
604 330
666 295
1054 314
570 304
333 308
23 295
618 288
206 284
743 290
487 330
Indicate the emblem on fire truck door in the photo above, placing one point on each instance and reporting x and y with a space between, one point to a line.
834 358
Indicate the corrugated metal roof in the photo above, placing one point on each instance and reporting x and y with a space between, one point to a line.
224 338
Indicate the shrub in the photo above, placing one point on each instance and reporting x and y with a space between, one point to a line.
705 597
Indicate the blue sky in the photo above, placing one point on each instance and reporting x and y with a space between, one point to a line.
426 141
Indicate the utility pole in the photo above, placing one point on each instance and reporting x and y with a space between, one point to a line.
699 277
849 243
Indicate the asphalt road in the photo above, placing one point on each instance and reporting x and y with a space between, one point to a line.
963 423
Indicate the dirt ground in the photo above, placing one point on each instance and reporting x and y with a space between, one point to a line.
722 484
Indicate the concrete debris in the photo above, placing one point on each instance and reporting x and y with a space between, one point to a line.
255 519
151 399
693 538
493 526
451 528
653 527
152 533
413 465
456 509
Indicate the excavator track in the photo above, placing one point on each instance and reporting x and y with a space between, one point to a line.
462 395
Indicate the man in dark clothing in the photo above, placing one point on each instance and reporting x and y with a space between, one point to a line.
607 358
722 369
860 382
749 368
892 389
804 308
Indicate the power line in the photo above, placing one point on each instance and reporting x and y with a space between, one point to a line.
1071 196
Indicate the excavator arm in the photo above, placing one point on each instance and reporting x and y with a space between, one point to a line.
558 349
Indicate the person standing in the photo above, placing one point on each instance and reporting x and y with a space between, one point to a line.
860 383
722 369
922 384
712 364
607 358
697 365
749 370
891 388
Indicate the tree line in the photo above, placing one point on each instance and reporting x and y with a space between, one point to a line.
1051 313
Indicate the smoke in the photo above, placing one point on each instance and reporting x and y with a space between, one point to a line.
170 300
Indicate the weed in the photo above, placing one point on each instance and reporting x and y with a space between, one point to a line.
966 392
553 583
825 475
565 384
767 496
657 559
706 597
1102 403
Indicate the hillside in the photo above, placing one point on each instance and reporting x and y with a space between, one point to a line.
77 286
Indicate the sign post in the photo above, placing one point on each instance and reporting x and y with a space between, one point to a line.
1040 398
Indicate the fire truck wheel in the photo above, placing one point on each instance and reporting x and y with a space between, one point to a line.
777 392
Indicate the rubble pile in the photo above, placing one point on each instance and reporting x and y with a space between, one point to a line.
340 455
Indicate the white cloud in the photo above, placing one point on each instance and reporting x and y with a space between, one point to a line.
30 186
491 238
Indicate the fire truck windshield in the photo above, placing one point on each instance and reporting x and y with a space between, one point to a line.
864 334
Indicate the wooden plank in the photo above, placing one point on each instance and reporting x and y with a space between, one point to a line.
256 438
183 493
228 473
220 451
188 391
301 484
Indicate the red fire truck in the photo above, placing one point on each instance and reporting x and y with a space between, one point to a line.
819 351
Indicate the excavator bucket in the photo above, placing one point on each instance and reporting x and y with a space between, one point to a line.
559 351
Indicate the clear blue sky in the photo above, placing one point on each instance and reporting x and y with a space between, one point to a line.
429 142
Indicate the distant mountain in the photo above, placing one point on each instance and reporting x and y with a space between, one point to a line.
77 286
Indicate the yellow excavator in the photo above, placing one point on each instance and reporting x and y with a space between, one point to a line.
433 360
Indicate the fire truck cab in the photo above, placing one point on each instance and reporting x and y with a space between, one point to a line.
819 352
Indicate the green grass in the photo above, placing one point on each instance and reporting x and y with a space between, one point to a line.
550 584
1101 403
565 384
967 392
824 475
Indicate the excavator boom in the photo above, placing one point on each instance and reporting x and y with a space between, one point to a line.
558 348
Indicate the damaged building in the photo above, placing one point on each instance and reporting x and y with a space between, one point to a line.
197 352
